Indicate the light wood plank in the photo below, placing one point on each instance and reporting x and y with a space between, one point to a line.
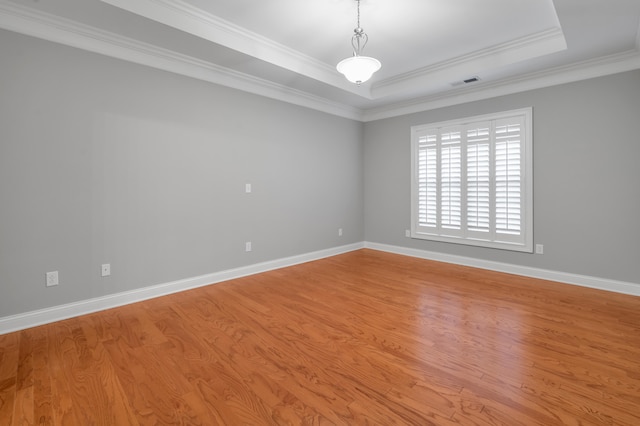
361 338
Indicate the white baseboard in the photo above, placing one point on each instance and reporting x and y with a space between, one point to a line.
70 310
563 277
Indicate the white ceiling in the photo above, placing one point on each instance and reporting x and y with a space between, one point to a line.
287 49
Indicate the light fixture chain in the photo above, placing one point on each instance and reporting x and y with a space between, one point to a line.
360 38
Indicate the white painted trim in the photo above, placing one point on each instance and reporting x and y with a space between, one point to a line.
527 271
83 307
25 20
200 23
56 313
53 28
612 64
528 47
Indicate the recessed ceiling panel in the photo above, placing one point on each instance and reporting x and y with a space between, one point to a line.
408 36
291 47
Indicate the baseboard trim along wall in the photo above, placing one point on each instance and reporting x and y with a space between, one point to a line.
562 277
70 310
83 307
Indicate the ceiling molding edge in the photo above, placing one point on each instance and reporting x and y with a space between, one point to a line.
185 17
534 45
27 21
55 29
598 67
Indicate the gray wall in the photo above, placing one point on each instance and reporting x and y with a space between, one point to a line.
103 161
586 177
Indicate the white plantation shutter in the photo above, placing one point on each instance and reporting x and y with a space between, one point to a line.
508 181
450 181
479 179
472 181
427 181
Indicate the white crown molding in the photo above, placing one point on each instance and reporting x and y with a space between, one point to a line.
195 21
607 65
56 313
531 46
52 28
28 21
623 287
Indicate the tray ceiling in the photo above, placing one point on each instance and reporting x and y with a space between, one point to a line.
288 49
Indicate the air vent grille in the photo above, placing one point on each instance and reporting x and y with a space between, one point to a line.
469 80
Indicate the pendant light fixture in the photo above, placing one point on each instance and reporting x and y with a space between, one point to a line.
357 68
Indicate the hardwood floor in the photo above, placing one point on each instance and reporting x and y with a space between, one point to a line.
361 338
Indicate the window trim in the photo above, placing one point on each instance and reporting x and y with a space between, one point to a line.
526 177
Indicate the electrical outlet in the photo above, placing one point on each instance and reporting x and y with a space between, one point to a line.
52 278
539 249
247 246
407 233
339 232
106 269
247 188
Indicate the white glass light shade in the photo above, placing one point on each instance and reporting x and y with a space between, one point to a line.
358 69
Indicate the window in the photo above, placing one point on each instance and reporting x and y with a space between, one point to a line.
472 181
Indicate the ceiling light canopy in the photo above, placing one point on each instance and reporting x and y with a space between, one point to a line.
357 68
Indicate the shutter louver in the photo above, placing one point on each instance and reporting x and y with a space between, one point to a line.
508 171
478 179
427 181
450 181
